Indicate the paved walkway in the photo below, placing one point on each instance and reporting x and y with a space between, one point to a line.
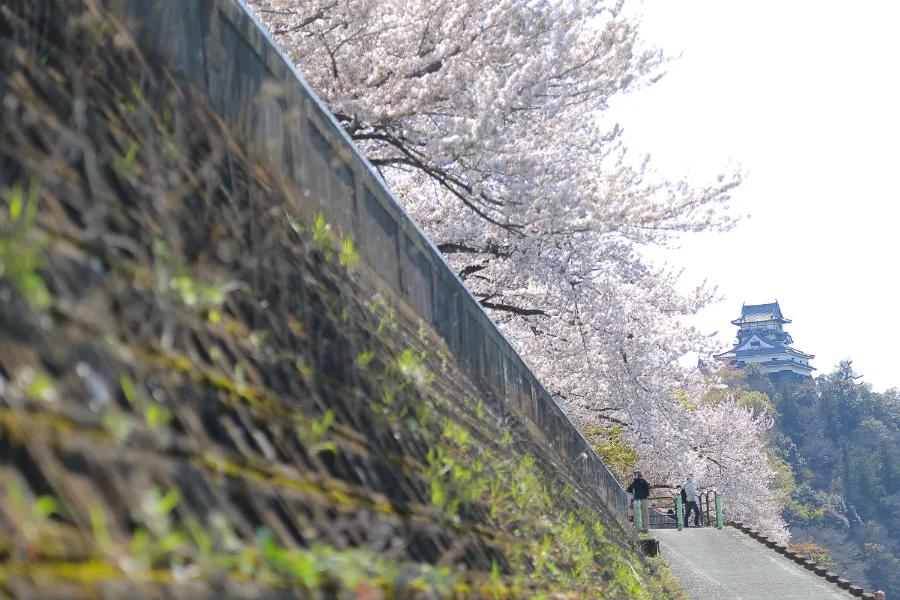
730 565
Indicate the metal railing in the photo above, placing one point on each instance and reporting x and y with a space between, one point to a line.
706 502
664 511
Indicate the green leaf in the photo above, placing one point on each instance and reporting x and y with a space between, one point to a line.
201 538
320 230
171 542
365 357
213 295
130 156
349 256
168 502
322 447
46 506
141 547
16 202
136 90
320 428
157 416
35 291
128 389
98 524
304 567
438 493
40 388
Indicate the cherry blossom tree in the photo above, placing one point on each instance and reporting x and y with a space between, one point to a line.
487 118
731 456
721 440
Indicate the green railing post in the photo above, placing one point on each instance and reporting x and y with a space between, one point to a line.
679 512
719 519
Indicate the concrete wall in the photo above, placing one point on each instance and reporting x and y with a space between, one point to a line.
219 46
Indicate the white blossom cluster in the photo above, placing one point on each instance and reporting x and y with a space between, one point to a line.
724 448
486 119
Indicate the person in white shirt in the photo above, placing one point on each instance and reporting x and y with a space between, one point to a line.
690 502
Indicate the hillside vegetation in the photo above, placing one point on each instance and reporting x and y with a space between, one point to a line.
203 393
837 446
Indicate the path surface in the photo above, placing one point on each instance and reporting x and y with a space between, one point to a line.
729 565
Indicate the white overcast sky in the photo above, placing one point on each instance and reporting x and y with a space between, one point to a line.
806 96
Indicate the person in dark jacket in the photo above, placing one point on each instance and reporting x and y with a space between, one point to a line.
640 490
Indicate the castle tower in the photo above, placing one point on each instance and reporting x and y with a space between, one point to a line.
761 338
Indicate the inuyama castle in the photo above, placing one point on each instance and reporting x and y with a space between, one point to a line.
761 338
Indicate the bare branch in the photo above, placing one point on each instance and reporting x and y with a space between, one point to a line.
527 312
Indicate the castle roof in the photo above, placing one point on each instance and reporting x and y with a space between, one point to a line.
764 351
754 313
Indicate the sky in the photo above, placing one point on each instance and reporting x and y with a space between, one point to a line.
806 97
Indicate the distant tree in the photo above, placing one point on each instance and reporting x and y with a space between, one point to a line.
757 379
789 413
758 403
887 407
865 484
844 401
890 465
883 568
750 386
